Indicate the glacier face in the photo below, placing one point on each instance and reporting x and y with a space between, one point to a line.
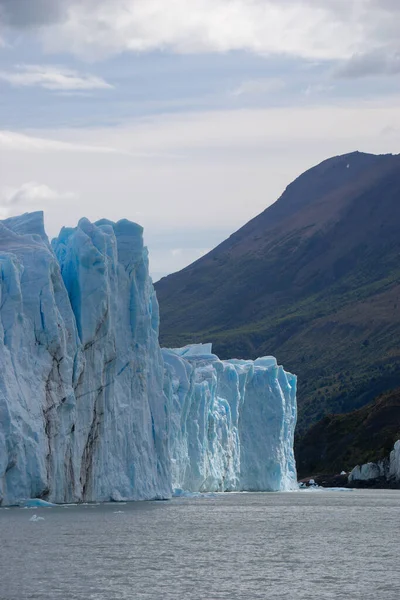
92 409
82 409
231 422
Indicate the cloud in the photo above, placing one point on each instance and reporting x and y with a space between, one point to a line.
314 29
262 26
52 78
34 192
12 140
317 88
369 64
30 196
32 13
385 5
225 156
389 130
255 87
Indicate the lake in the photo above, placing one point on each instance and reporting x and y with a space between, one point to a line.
306 544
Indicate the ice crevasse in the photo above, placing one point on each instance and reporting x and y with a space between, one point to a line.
92 409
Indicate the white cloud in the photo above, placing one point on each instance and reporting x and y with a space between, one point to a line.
34 192
312 29
255 87
21 142
318 88
231 132
321 29
13 140
52 78
232 165
31 196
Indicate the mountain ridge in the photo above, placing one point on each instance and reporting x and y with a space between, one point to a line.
318 270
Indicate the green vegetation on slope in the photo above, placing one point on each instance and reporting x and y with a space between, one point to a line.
314 280
342 441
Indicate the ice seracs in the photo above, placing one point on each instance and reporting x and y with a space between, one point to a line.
81 401
92 409
232 422
124 450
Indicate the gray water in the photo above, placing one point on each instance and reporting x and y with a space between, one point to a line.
322 545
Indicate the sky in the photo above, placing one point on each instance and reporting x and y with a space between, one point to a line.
188 117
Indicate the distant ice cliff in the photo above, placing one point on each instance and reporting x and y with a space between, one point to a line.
231 422
387 469
92 409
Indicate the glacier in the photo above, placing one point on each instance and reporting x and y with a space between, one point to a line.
231 422
387 469
92 409
82 408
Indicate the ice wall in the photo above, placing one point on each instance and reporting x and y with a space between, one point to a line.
91 409
82 411
232 422
387 469
394 462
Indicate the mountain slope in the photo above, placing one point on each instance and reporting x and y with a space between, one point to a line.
314 280
342 441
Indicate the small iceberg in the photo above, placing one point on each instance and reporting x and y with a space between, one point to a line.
35 518
319 488
179 493
37 503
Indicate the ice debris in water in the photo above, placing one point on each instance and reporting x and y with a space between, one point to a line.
178 493
314 487
92 410
37 503
35 518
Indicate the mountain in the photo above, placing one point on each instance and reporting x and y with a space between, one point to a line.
340 442
313 280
